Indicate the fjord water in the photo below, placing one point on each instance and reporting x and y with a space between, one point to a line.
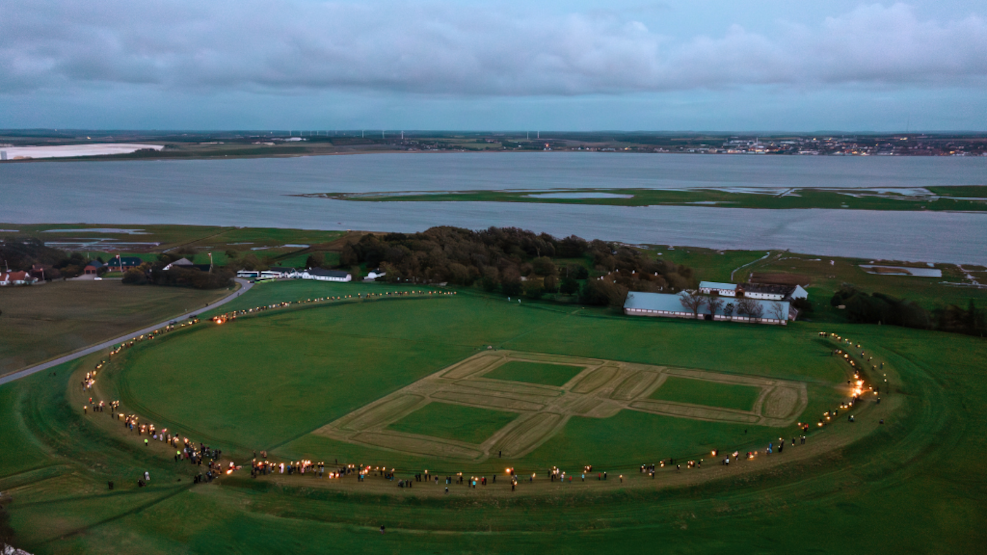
261 192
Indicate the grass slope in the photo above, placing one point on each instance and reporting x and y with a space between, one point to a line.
458 422
534 372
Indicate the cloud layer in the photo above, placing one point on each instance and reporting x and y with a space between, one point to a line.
276 47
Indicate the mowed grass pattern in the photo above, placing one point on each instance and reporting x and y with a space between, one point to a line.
534 372
710 394
457 422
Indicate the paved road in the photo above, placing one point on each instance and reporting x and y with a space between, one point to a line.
244 287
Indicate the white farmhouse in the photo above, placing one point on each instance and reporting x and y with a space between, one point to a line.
717 288
325 275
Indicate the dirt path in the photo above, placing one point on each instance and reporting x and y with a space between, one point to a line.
767 254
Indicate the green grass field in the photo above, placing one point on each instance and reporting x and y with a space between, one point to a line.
534 372
712 394
44 321
913 484
458 422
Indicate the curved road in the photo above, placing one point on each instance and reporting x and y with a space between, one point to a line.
244 287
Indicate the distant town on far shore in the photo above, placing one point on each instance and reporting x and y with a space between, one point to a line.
30 144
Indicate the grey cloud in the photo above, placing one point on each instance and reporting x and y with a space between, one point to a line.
440 48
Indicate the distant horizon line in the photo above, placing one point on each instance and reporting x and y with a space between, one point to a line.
395 131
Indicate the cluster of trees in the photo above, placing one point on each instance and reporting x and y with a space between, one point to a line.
154 274
880 308
972 321
885 309
25 253
516 262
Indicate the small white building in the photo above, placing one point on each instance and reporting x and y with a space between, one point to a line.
764 291
798 293
319 274
16 278
248 274
717 288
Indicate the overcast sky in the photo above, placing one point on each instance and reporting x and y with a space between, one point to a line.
494 65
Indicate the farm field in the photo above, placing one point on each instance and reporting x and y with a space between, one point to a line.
271 380
42 322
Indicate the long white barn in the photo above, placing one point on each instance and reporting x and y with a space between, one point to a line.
325 275
661 305
718 288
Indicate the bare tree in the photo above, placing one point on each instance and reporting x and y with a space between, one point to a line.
728 310
693 302
714 304
757 312
778 312
746 307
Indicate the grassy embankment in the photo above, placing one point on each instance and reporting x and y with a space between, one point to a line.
961 198
925 460
45 321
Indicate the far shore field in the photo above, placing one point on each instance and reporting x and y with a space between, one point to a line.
971 198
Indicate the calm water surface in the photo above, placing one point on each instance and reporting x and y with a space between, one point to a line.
258 192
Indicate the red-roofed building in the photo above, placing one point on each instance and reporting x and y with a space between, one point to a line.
15 278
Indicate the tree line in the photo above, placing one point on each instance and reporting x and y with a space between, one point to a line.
517 262
878 308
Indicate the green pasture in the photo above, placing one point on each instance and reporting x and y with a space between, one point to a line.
914 485
458 422
711 394
794 199
534 372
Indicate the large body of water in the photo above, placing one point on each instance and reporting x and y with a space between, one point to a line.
260 193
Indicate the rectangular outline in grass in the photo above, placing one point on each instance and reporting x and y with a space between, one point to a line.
513 371
692 397
468 431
